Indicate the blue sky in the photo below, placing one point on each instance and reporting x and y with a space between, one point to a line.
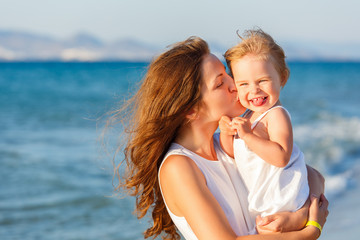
163 22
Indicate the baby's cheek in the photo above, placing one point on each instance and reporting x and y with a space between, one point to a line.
244 102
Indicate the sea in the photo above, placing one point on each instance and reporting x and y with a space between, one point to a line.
56 179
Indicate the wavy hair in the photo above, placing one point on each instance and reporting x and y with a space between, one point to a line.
152 118
261 44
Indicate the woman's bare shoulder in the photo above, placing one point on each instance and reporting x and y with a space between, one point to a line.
180 178
176 166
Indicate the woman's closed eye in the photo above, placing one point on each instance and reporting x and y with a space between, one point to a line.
219 84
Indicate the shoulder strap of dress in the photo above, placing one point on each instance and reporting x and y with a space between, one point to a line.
246 113
257 120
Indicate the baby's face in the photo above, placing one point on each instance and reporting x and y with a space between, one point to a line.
257 82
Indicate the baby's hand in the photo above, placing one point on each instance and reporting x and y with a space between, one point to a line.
270 224
225 126
242 125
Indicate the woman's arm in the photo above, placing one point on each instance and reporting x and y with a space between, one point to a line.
187 195
318 212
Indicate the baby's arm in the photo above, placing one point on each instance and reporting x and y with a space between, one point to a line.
226 135
277 149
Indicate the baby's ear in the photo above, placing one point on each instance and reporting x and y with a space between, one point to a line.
285 77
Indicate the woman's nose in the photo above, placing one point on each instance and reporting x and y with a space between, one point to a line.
232 87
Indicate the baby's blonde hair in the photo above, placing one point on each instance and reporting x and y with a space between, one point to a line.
260 44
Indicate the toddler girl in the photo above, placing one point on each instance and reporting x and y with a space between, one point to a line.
272 167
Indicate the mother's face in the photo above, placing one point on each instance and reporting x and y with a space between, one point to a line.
219 95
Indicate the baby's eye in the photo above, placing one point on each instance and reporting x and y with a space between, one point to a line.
243 84
263 80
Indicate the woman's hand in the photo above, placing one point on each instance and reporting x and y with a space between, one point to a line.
318 211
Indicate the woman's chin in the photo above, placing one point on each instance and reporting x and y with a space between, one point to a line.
237 111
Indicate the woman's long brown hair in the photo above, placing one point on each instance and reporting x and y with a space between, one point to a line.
169 90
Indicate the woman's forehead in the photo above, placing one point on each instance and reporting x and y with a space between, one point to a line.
211 66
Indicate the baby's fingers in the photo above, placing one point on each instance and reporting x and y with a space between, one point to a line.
225 119
226 126
238 120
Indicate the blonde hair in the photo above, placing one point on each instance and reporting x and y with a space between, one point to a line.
262 45
169 90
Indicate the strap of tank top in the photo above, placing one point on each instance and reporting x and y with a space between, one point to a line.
263 115
246 113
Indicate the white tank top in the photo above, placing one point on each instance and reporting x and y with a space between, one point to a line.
225 184
271 189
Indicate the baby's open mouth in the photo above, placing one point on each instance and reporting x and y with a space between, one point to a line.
258 101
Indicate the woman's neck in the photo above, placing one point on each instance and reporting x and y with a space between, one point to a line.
198 138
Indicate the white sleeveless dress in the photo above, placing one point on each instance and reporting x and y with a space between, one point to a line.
224 183
271 189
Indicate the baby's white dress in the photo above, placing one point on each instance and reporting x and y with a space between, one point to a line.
271 189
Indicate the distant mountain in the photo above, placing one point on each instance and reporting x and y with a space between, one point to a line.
84 40
313 51
22 46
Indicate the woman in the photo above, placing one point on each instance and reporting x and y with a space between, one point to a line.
173 117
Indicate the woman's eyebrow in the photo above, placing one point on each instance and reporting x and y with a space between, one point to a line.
219 75
214 81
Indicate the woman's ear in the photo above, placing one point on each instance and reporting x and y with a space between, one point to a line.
192 114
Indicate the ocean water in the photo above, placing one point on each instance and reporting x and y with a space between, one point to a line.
56 182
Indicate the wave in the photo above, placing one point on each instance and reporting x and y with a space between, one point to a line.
331 144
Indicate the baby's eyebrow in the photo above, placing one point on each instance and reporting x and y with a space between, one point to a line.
241 80
265 76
